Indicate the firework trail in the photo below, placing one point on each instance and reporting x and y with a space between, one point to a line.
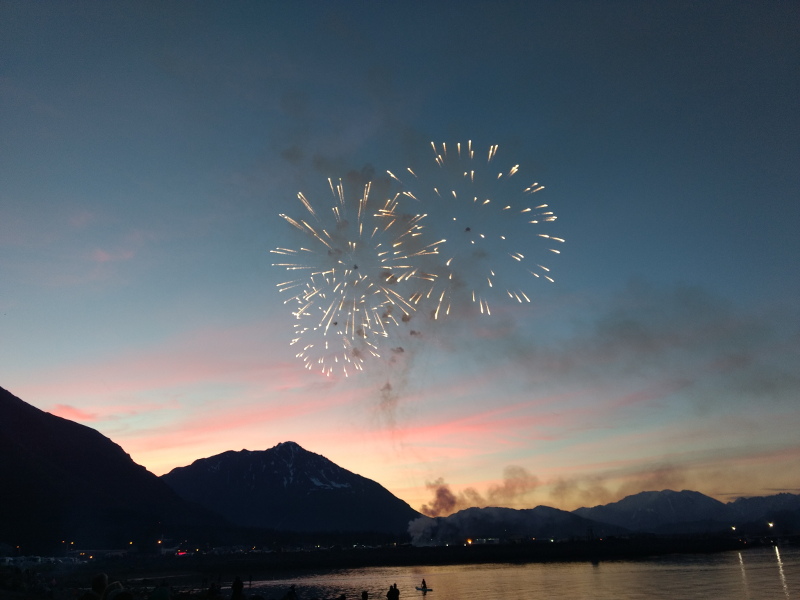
489 224
356 275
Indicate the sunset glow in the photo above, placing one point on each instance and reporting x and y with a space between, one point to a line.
555 264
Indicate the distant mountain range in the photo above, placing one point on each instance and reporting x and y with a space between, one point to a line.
289 488
669 512
495 524
663 513
63 482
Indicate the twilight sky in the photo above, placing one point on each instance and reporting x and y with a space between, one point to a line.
147 149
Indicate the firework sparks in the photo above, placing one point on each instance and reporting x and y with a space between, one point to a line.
356 277
489 219
365 265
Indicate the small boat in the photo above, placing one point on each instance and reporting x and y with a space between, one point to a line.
424 590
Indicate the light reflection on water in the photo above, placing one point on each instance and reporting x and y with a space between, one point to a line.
749 575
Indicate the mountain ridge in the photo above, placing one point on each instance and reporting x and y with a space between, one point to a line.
289 488
688 511
68 481
65 481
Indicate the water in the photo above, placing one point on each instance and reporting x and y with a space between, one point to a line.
761 573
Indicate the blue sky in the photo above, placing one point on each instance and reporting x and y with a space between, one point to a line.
147 149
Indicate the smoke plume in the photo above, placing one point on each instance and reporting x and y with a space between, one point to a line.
517 484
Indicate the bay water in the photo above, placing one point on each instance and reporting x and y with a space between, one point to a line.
761 573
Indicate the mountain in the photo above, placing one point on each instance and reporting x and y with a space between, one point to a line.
64 482
668 511
762 507
288 488
663 512
506 524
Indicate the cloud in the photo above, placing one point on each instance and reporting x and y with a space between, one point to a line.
81 219
517 484
206 355
99 255
65 411
714 472
672 341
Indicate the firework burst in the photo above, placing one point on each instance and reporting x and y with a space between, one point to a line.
356 276
490 225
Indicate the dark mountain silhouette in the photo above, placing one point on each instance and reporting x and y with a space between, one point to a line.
60 480
64 482
662 512
761 507
506 524
288 488
668 511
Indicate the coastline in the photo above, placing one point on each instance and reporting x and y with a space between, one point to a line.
208 576
194 568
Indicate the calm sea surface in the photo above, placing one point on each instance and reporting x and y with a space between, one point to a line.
767 573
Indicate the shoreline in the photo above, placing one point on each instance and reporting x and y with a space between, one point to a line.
190 577
269 564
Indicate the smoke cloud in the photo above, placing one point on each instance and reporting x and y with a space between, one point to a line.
517 484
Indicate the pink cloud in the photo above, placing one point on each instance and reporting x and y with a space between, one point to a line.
251 423
65 411
236 356
103 256
81 219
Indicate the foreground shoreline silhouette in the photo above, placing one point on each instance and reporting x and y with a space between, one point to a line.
207 576
350 558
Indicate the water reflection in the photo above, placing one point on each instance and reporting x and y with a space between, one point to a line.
780 570
744 575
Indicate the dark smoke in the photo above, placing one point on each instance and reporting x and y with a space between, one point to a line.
387 404
444 501
517 483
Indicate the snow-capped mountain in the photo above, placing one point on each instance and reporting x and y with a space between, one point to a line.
289 488
667 511
663 512
762 507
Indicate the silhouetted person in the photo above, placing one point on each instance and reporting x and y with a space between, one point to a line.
365 595
112 589
291 594
237 589
123 595
99 584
